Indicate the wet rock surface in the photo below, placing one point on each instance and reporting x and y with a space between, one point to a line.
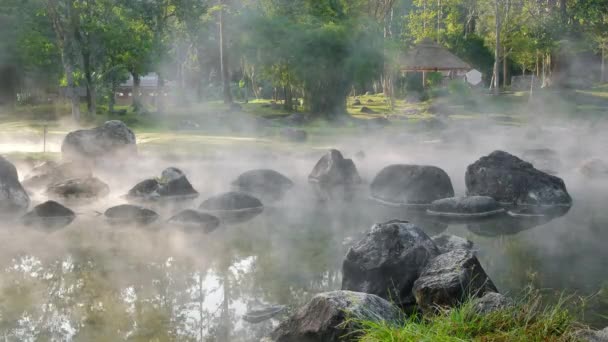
411 185
233 207
334 177
13 198
130 214
388 260
49 214
79 189
324 318
509 179
195 221
491 302
449 242
451 278
111 139
465 207
51 172
265 184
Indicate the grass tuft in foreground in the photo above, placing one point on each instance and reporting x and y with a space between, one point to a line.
527 320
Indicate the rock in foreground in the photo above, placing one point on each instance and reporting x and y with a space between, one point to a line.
13 198
447 243
411 185
173 184
79 189
265 184
387 261
50 215
334 176
130 214
450 279
465 207
195 221
511 180
323 318
51 172
233 207
112 139
490 302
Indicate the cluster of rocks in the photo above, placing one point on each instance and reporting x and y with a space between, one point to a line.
394 270
172 184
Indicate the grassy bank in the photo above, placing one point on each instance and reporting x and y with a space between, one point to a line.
527 320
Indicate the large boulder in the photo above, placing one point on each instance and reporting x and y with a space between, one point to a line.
130 214
398 185
51 172
448 242
172 184
195 221
233 207
388 260
450 279
511 180
544 159
111 139
334 176
491 302
326 317
265 184
465 207
79 189
13 198
50 215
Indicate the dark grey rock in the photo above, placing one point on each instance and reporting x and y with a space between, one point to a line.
451 278
544 159
449 242
388 260
411 185
13 198
491 302
366 110
233 207
325 317
334 176
466 207
268 185
195 221
51 172
79 189
509 179
294 134
172 184
113 138
357 102
130 214
50 215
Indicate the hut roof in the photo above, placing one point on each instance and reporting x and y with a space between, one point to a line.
429 56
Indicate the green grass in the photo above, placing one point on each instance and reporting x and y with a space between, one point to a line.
527 320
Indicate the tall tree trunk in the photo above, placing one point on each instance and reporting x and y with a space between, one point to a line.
160 93
137 106
504 67
497 50
88 76
603 67
224 58
387 79
71 91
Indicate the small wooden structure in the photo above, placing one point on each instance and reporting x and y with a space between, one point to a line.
428 56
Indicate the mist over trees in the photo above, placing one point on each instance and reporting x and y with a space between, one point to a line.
313 51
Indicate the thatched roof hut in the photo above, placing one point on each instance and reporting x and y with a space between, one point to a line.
430 56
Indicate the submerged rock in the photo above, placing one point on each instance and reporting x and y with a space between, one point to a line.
491 302
51 172
266 184
334 176
465 207
388 260
399 185
113 138
325 317
449 242
509 179
451 278
262 314
173 184
49 214
130 214
233 207
13 198
195 221
79 189
544 159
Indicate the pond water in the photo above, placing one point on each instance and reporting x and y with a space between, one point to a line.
93 281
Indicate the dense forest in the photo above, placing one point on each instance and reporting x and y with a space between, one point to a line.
315 50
